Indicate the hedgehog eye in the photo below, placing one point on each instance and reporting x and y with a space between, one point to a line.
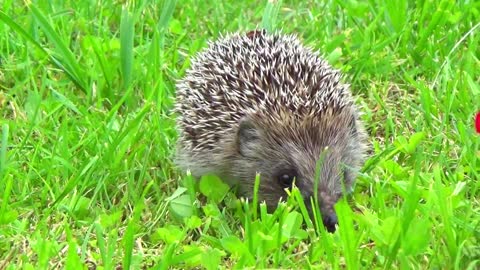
285 178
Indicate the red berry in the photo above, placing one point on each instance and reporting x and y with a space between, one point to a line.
477 122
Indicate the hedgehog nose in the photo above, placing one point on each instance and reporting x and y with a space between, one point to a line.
330 221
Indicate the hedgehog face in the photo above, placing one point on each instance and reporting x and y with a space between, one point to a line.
300 151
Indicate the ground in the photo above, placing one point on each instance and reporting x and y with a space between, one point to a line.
87 137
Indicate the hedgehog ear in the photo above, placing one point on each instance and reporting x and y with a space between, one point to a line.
248 137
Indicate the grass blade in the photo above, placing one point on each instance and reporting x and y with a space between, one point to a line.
69 63
57 62
3 149
127 30
347 233
129 238
167 12
8 182
270 15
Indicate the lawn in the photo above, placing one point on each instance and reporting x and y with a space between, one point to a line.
87 137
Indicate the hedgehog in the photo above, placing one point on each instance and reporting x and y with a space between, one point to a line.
263 103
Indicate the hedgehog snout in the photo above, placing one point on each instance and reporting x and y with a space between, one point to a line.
330 221
328 214
329 217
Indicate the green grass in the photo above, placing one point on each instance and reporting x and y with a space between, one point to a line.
87 138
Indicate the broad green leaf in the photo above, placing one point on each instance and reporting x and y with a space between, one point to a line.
292 225
234 246
182 206
414 141
417 238
193 222
168 234
391 230
211 258
213 188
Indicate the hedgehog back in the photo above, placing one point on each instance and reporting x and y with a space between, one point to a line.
263 74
